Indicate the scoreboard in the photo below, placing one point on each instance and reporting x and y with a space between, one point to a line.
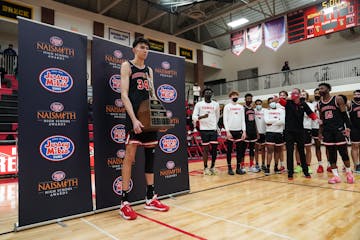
323 18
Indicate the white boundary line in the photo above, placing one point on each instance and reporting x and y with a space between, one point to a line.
233 222
99 229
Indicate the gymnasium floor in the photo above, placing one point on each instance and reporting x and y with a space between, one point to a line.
251 206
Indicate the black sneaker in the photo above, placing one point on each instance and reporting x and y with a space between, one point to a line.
267 171
357 169
240 171
263 168
230 171
277 171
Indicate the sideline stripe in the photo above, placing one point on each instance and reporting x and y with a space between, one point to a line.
99 229
232 222
171 227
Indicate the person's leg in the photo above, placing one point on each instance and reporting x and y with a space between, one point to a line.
290 153
240 153
355 149
229 145
277 151
251 153
270 153
149 170
345 157
318 155
300 147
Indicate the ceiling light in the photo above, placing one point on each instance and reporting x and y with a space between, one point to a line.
237 22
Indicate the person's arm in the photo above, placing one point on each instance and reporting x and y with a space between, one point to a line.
217 112
125 82
243 123
342 106
309 112
195 115
267 118
322 117
226 118
281 120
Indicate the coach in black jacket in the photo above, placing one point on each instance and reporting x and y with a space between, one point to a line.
294 129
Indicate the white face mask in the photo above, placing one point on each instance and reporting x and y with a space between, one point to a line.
272 104
258 107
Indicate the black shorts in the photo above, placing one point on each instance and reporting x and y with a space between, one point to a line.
274 138
355 135
251 137
208 137
236 136
315 133
144 138
334 137
307 137
261 139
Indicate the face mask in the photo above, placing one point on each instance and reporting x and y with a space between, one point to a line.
234 99
302 99
357 99
273 104
248 103
317 98
258 107
207 98
294 96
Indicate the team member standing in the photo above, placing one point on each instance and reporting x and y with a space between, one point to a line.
261 128
336 125
275 121
234 123
294 129
282 94
251 130
136 83
355 129
315 131
207 112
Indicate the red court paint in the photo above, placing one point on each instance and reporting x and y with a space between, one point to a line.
171 227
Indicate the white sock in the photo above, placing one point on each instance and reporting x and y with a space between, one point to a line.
348 170
281 164
335 172
320 163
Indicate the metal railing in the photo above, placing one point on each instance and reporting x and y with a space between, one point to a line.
345 71
8 64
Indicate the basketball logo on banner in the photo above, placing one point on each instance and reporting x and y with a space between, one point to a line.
166 93
117 186
118 133
56 80
169 143
115 83
57 148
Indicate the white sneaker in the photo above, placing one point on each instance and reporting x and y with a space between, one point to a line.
207 171
213 171
254 169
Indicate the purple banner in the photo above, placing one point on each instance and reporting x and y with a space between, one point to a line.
275 33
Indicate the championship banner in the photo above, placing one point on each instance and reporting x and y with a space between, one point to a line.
254 38
237 42
275 33
53 147
171 174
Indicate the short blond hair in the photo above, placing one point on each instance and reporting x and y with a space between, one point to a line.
234 92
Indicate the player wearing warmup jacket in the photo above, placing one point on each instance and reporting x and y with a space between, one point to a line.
234 123
261 128
336 125
207 112
304 97
282 94
275 121
294 129
251 130
315 131
136 84
354 113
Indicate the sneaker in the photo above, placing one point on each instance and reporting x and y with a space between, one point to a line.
240 171
277 171
213 171
334 179
344 169
267 171
328 169
127 212
155 204
207 171
310 170
320 169
282 169
298 169
357 169
290 178
254 169
350 178
263 168
308 176
230 171
257 167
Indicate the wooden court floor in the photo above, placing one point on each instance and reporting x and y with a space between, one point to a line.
251 206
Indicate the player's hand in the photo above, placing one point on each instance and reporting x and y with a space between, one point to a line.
228 135
347 132
137 125
319 121
320 136
243 137
204 116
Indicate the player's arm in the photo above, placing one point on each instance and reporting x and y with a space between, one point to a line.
309 112
151 83
342 106
125 82
322 117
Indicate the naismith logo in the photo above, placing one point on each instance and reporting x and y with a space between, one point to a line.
170 165
56 80
170 171
118 54
115 83
58 176
169 143
117 186
56 41
165 65
166 93
120 153
57 148
118 133
56 107
119 103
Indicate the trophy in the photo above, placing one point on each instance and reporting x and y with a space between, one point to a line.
152 114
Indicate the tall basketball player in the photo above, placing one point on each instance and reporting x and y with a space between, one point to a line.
136 82
336 125
355 129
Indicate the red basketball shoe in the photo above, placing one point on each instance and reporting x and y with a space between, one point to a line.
127 212
155 204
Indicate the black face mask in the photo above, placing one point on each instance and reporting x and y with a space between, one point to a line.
235 99
207 98
302 99
357 99
317 98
